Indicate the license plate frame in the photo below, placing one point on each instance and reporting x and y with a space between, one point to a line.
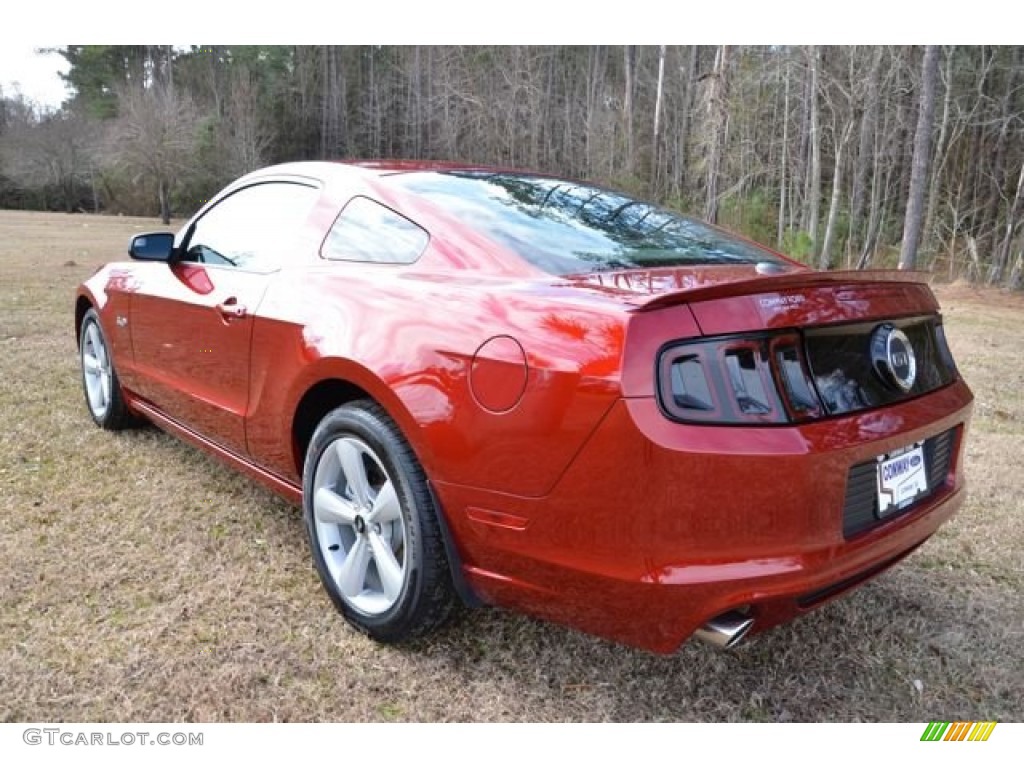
901 479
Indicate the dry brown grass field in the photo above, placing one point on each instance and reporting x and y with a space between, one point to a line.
143 581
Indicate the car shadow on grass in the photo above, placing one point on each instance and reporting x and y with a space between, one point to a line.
907 647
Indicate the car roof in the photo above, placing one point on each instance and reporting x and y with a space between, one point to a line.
330 170
340 179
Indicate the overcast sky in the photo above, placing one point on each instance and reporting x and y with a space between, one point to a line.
34 75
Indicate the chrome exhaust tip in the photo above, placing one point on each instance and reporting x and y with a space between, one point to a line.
725 630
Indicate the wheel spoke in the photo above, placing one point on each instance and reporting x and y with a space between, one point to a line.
333 509
388 567
352 575
105 388
101 353
355 472
90 364
92 336
385 507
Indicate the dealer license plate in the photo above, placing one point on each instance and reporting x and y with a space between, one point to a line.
902 479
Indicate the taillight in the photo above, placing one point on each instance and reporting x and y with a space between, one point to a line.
944 352
795 378
748 379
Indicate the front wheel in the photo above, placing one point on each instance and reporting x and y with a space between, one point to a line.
99 379
373 526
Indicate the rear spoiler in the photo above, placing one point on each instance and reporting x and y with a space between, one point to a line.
778 283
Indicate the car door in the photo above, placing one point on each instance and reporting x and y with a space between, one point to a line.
192 322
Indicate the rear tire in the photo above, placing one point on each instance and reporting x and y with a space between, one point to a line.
102 388
373 527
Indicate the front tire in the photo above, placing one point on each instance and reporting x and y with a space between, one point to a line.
373 526
103 395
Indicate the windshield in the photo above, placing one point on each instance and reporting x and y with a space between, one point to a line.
565 228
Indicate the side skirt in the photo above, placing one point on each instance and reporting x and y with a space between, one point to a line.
276 483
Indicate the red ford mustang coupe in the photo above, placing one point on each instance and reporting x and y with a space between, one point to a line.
497 387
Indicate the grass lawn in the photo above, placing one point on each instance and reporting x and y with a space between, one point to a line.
143 581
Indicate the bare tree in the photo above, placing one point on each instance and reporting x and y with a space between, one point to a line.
868 97
941 155
783 165
248 136
922 159
825 260
56 151
813 201
717 115
655 140
1002 256
688 79
629 68
154 139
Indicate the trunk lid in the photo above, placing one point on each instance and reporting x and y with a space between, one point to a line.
740 298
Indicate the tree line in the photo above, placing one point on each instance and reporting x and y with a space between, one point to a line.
851 156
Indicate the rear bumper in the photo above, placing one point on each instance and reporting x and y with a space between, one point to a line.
657 527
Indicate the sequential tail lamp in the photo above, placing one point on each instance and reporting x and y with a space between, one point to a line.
746 379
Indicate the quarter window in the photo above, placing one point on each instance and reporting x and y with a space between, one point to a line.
258 228
368 231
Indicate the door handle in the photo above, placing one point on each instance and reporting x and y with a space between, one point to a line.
230 309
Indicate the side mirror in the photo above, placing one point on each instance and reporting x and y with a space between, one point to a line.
153 246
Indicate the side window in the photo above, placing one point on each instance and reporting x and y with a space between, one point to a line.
257 228
368 231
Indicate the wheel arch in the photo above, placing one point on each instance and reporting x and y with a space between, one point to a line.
334 390
330 383
318 400
82 305
92 294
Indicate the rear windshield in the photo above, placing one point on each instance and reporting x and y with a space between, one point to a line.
566 228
